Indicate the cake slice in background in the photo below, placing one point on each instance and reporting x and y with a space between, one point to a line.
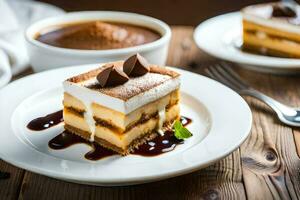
272 29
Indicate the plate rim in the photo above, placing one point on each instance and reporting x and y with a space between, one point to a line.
140 179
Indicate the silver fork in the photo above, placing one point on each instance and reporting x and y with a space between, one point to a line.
224 74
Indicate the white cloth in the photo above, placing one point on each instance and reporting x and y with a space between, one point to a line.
5 71
16 15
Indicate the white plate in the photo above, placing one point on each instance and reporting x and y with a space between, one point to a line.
221 122
220 37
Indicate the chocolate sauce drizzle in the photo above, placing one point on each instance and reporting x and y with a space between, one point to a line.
154 147
159 145
162 144
67 139
46 122
185 121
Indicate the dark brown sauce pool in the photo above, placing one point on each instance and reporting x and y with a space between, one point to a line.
162 144
185 121
159 145
154 147
66 139
42 123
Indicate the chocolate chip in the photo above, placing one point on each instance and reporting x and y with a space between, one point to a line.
282 10
104 74
110 76
135 66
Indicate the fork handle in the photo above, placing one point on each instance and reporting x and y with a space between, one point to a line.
278 107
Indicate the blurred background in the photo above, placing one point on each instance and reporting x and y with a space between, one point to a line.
174 12
17 15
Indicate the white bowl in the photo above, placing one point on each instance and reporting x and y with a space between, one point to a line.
45 57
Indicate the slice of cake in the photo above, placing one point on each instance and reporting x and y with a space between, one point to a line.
272 29
121 105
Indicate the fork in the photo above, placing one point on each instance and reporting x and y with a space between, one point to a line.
226 75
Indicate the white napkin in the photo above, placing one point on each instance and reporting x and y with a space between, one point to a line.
5 72
16 15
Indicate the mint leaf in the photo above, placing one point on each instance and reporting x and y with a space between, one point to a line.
180 131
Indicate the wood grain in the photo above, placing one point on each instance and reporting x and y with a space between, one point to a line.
297 140
9 187
220 181
265 167
270 160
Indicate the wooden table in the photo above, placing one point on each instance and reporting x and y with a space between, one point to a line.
266 166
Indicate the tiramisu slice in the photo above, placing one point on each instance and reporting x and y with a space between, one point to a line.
121 104
272 29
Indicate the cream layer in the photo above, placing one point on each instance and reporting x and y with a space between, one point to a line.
261 14
87 96
263 30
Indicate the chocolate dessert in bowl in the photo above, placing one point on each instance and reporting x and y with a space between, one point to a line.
94 37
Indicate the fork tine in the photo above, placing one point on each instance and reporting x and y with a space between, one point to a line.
213 73
207 71
228 77
227 68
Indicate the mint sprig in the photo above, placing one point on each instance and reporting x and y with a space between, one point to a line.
180 131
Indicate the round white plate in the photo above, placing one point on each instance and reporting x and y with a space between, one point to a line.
221 122
221 37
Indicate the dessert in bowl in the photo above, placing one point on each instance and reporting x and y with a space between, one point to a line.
96 36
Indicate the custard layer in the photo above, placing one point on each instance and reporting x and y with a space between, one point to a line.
250 26
120 140
275 46
120 120
270 41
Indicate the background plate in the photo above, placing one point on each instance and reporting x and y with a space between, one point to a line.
222 35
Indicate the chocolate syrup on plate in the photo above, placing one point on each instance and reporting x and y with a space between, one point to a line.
42 123
162 144
159 145
154 147
185 121
67 139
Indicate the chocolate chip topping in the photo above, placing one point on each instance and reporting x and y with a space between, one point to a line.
135 66
282 10
111 76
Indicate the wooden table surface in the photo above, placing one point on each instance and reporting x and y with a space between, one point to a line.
266 166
